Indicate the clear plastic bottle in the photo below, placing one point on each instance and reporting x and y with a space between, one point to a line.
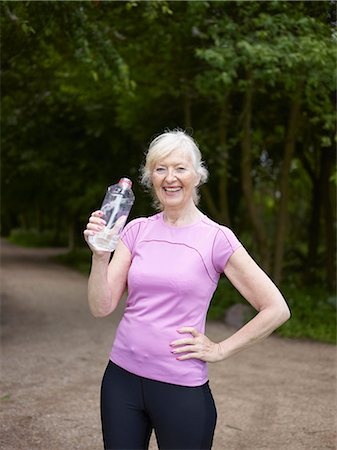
116 207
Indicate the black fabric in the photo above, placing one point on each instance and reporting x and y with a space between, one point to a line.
183 418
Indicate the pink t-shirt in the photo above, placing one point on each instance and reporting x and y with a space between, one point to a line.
173 275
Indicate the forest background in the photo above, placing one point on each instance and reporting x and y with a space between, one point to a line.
86 85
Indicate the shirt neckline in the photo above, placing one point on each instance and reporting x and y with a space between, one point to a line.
182 227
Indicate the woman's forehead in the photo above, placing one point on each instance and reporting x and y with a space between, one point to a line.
176 156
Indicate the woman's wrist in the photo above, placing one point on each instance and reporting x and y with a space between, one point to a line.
103 257
222 350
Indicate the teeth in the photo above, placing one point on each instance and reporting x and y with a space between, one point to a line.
173 189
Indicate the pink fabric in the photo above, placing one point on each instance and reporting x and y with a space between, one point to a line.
172 278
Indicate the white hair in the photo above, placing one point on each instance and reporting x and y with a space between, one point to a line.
161 147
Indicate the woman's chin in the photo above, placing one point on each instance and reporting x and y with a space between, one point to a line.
172 202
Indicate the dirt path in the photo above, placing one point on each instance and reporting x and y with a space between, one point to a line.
278 395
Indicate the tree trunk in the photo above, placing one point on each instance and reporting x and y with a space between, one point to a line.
284 189
329 216
39 218
247 182
187 111
219 209
223 182
71 235
208 197
315 175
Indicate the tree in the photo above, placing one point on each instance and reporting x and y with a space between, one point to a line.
254 50
86 86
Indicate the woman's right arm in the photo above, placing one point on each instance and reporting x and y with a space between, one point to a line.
107 281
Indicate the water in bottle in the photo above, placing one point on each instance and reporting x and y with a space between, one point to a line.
116 206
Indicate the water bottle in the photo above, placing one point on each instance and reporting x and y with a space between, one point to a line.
116 206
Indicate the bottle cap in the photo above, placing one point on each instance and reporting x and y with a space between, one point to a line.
125 182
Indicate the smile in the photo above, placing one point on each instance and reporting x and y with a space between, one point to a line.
172 189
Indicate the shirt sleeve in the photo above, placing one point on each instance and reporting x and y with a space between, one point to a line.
130 233
224 245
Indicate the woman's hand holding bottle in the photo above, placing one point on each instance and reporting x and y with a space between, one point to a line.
95 225
106 224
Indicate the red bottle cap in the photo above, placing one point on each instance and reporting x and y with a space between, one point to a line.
125 182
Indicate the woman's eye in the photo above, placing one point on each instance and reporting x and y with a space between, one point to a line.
160 169
181 169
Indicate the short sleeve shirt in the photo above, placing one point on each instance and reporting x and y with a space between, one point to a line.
173 274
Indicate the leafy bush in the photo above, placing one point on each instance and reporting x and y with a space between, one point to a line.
313 314
313 311
224 297
35 238
79 259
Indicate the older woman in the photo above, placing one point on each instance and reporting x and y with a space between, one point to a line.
171 262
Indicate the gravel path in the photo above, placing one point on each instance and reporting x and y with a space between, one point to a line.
279 394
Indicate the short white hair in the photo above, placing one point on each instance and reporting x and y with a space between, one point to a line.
161 147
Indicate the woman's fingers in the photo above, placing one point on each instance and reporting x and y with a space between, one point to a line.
194 355
194 332
187 348
190 340
94 225
97 213
96 217
182 342
199 346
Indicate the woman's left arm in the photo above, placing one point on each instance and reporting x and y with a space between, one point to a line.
258 289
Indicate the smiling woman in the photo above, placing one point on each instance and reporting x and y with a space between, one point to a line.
184 155
171 262
174 181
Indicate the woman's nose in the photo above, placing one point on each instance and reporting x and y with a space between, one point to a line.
171 176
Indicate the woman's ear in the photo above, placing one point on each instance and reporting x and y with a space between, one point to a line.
197 180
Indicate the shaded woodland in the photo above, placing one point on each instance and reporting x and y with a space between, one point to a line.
87 85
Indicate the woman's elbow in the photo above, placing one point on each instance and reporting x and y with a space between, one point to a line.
100 312
284 314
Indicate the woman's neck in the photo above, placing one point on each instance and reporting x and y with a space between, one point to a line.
179 217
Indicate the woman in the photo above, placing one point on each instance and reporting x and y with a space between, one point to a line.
171 262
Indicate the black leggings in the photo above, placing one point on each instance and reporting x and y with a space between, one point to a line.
131 406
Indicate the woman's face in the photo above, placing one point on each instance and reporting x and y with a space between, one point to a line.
174 180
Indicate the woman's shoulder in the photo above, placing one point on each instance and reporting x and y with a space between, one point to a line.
222 234
215 225
132 230
142 221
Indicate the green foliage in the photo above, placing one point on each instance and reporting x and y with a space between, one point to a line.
313 314
86 85
79 259
36 238
313 311
333 177
224 297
